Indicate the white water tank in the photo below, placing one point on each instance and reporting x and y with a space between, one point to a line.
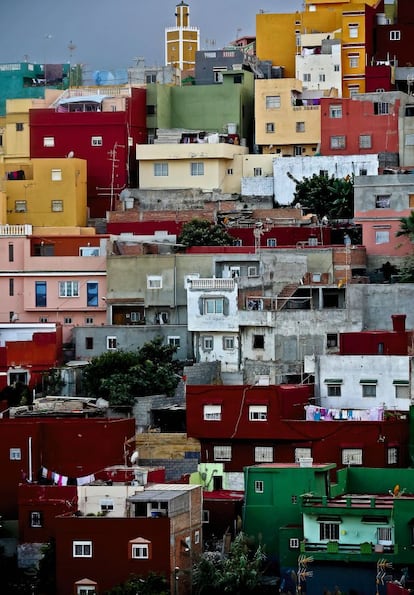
232 128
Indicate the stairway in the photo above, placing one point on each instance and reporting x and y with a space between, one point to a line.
287 292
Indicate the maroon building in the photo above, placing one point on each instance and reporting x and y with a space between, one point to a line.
71 448
104 137
240 426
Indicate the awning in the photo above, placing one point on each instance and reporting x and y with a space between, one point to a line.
368 381
333 380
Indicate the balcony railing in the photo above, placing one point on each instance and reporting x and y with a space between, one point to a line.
227 284
15 230
335 547
349 501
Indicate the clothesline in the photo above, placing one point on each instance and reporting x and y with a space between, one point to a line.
315 413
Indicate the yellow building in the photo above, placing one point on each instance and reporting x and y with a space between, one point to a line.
182 41
279 36
285 125
182 166
45 192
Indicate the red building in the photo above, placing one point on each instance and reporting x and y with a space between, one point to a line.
27 351
103 131
393 36
359 126
240 426
72 448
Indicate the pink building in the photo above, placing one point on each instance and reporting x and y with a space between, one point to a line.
52 279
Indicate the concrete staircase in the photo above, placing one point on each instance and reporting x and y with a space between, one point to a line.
287 292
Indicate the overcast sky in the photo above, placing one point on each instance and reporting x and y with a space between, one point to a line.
109 34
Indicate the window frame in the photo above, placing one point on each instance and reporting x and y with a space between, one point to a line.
383 201
36 519
264 454
49 141
259 486
269 127
337 142
329 530
69 289
349 452
92 294
258 413
206 341
56 175
15 453
96 141
173 340
56 205
111 343
365 141
395 35
154 282
20 206
228 343
160 169
222 452
335 111
40 294
212 412
393 455
273 101
197 168
217 302
84 546
300 127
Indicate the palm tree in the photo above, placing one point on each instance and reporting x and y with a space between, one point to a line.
406 226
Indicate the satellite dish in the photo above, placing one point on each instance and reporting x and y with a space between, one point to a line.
70 155
134 457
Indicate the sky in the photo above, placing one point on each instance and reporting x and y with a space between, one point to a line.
110 34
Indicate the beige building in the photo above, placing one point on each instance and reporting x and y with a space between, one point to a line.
287 124
45 192
209 166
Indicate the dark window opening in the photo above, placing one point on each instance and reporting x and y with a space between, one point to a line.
258 341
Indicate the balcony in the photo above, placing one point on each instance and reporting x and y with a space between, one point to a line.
203 284
345 549
15 230
353 501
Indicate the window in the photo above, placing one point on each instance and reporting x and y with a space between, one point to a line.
382 201
160 169
258 341
56 175
402 389
336 67
36 519
331 340
335 111
89 320
15 454
302 453
43 319
82 549
230 171
273 102
337 142
307 77
263 454
258 413
363 172
20 206
252 271
111 343
69 289
150 78
270 126
322 78
88 342
333 390
218 76
300 126
196 537
353 90
353 60
228 342
298 150
382 237
384 535
11 252
259 487
11 286
271 242
57 206
19 127
222 453
96 141
206 516
294 543
174 342
208 343
395 35
89 251
381 108
392 455
151 111
91 294
40 294
154 282
369 390
85 590
106 504
353 30
329 531
365 141
213 305
257 171
352 456
212 412
67 320
49 141
197 168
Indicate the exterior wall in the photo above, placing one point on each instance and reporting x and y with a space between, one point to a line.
358 119
345 165
66 266
353 49
217 159
94 444
377 303
353 369
285 119
323 68
207 62
374 218
17 129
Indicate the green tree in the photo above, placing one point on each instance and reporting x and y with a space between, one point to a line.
120 376
201 232
324 195
152 584
406 227
238 573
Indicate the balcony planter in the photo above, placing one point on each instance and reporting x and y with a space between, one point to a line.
332 547
365 548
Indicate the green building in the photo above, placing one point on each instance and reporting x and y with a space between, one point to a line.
355 534
25 80
209 108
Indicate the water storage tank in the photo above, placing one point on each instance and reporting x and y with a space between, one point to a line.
232 128
382 18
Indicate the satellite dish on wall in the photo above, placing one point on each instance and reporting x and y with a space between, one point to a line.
70 155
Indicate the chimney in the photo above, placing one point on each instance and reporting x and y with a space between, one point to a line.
398 322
